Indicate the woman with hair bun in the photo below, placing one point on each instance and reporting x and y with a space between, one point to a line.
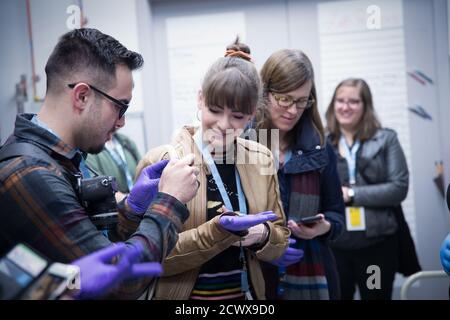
236 219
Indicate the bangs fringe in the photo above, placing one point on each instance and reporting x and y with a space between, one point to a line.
231 89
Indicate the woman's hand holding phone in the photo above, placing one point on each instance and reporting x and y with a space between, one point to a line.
309 230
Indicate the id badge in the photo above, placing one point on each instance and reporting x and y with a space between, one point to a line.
355 218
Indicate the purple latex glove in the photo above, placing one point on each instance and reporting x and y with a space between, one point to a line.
146 187
240 223
98 276
445 254
290 256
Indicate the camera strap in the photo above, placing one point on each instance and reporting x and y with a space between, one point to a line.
19 149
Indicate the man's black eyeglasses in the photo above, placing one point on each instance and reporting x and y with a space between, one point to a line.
120 104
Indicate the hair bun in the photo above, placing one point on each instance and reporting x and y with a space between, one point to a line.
239 54
238 49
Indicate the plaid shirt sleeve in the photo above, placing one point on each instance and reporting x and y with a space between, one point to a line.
158 229
162 221
40 207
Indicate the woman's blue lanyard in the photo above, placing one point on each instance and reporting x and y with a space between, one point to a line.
350 156
215 173
287 156
226 199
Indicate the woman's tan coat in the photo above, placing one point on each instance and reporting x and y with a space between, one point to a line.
201 240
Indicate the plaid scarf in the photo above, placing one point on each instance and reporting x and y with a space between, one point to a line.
305 280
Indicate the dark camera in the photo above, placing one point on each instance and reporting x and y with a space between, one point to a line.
97 196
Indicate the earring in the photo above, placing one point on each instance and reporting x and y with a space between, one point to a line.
199 114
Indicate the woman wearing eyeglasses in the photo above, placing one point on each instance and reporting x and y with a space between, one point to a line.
308 181
374 176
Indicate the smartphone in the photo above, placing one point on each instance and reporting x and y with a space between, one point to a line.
309 220
18 270
24 274
53 282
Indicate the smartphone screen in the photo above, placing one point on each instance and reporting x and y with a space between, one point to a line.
18 269
309 220
45 288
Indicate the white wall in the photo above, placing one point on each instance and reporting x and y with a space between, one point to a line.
426 39
14 60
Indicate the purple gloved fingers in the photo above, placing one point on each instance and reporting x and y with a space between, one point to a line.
239 223
157 169
98 276
146 187
133 252
147 269
264 216
294 253
445 254
290 251
290 256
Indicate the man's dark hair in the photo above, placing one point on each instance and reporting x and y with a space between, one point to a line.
90 51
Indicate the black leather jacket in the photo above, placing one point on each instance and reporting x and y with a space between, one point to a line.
382 180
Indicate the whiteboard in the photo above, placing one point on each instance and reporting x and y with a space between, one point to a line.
348 48
194 43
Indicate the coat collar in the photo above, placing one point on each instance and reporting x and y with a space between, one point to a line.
370 149
25 129
308 154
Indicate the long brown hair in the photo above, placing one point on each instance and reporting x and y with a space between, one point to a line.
233 81
284 71
369 123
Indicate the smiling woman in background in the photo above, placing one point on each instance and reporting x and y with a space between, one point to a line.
374 176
